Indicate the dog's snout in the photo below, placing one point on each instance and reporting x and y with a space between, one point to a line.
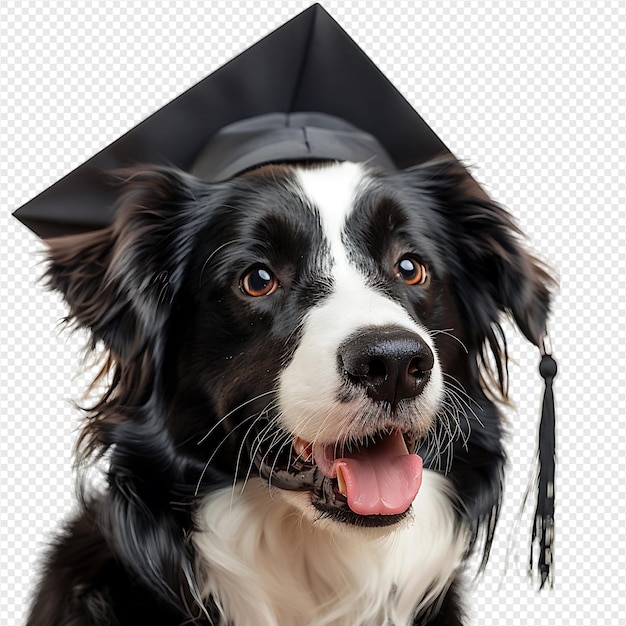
390 363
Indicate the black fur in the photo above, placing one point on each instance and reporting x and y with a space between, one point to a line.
159 291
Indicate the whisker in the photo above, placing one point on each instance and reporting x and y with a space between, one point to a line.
287 437
459 410
453 410
230 413
447 332
254 417
253 450
255 446
455 385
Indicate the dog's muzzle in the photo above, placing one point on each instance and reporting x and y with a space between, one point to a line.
371 474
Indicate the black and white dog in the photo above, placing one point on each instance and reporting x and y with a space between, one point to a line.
299 422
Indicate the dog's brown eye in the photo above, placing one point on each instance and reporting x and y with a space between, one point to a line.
259 281
410 271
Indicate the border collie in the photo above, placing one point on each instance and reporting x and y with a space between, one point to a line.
299 420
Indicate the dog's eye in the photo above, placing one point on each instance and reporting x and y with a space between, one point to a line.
259 281
410 270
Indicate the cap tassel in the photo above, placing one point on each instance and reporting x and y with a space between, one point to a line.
543 527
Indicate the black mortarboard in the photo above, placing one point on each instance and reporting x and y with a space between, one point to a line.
304 92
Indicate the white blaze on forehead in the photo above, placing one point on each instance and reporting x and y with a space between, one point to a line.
332 191
310 383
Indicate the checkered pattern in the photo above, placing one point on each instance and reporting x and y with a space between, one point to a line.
531 93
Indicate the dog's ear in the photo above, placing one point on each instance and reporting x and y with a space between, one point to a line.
119 282
491 269
493 272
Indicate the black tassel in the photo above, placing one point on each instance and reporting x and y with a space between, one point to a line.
543 526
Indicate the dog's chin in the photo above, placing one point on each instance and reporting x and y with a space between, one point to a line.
340 520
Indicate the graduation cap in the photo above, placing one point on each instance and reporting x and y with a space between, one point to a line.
304 92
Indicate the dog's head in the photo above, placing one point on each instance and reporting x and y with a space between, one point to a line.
315 325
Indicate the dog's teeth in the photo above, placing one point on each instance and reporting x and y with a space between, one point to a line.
341 483
303 449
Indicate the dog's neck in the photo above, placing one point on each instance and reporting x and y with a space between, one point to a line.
264 564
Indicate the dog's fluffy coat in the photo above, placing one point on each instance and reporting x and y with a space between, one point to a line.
211 386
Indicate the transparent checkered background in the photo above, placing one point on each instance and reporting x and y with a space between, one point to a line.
531 93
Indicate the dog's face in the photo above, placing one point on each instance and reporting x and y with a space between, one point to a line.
313 325
313 337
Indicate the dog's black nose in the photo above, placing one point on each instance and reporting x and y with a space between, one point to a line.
391 363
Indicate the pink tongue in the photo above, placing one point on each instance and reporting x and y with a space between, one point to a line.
380 479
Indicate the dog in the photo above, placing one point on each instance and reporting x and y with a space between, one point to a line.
300 417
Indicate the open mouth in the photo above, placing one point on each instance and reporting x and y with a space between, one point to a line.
370 481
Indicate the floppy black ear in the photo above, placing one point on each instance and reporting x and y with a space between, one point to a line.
494 273
119 282
492 270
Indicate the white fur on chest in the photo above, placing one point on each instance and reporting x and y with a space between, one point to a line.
266 565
